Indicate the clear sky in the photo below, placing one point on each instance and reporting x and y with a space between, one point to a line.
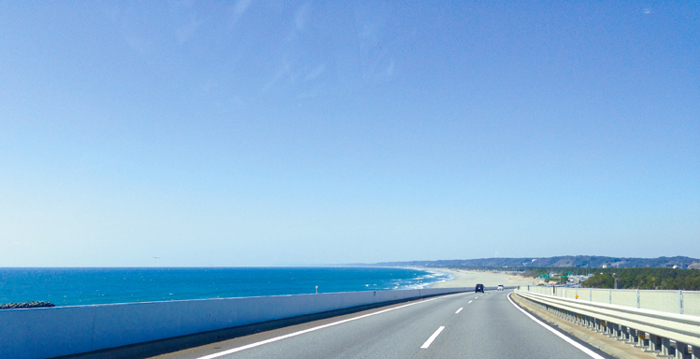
258 133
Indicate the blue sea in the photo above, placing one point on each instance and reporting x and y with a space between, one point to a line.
84 286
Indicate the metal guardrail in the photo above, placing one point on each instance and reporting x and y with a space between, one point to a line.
649 329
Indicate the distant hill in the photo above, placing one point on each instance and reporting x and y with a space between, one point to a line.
559 261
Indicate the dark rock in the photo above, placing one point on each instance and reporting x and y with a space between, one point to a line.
26 305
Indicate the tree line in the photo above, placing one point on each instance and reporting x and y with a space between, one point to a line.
645 278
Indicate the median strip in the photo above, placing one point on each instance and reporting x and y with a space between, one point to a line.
432 337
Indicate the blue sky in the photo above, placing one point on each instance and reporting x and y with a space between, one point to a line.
256 133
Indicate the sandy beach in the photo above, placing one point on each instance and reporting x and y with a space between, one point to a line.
463 278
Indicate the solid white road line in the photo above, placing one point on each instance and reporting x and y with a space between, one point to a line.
432 337
576 344
253 345
459 310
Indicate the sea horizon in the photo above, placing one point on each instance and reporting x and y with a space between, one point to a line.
70 286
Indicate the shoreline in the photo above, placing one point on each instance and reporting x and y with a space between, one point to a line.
467 278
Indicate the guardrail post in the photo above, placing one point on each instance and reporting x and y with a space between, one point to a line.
641 339
654 343
649 345
695 352
681 349
666 348
632 336
624 334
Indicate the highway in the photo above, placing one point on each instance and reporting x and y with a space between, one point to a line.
466 325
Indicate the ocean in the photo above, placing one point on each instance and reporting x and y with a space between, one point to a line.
84 286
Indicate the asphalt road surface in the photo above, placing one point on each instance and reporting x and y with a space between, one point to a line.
464 325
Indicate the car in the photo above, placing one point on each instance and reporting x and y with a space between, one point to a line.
500 287
479 288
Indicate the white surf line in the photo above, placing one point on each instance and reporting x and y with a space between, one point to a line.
432 337
267 341
576 344
459 310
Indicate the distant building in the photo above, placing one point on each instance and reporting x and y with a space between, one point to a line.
576 279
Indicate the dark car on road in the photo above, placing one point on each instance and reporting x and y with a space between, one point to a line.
479 288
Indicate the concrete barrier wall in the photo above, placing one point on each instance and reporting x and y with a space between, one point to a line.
625 297
570 294
663 300
600 296
50 332
691 303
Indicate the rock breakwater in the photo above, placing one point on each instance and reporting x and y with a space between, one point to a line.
26 305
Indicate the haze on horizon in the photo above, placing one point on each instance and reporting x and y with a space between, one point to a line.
266 133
